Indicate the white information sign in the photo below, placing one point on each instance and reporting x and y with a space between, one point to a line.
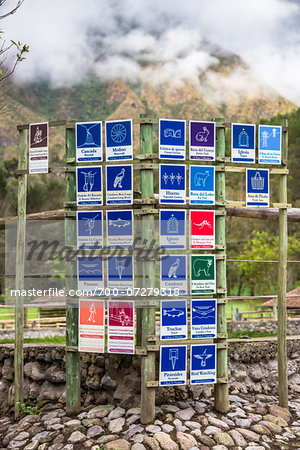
172 228
119 184
119 228
120 275
203 274
119 140
171 139
89 141
89 185
203 364
38 147
203 318
257 187
172 184
89 229
202 140
202 229
173 319
202 185
172 365
121 328
243 142
173 274
90 275
91 325
269 144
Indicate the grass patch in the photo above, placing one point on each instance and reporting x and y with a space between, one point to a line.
252 334
9 313
59 340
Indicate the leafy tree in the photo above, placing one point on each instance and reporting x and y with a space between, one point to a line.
45 195
6 70
259 276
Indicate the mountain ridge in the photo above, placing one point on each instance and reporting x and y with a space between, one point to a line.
228 88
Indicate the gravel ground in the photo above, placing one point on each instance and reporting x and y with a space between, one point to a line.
253 423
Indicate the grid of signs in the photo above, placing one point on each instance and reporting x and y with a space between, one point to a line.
172 146
118 140
173 364
119 185
172 142
119 326
177 320
180 274
119 229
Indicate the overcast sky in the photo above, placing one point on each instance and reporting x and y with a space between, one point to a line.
69 39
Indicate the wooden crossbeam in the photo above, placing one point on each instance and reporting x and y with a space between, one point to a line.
293 214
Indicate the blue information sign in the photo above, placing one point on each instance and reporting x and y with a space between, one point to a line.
119 226
119 185
173 316
172 184
202 185
172 228
89 141
203 364
173 274
269 144
119 140
172 365
89 229
204 319
243 143
90 274
89 185
171 139
120 275
257 187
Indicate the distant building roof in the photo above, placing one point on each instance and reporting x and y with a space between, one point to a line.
292 299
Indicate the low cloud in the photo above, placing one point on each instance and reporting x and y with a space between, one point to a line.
157 40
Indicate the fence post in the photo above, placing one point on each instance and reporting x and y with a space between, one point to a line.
282 276
148 279
232 311
72 357
275 315
20 261
221 389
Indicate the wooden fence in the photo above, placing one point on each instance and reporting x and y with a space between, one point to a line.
148 343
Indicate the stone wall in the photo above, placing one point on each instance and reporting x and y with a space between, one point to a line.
116 378
293 326
40 333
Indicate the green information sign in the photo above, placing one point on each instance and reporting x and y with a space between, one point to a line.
203 274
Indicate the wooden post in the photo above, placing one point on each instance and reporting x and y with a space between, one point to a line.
275 315
20 261
232 311
72 357
25 315
148 280
282 276
221 389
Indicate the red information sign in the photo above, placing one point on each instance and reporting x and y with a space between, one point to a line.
202 229
121 328
91 325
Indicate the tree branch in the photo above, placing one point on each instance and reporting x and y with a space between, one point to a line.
12 11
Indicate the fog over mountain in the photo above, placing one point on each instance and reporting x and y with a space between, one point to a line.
161 41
